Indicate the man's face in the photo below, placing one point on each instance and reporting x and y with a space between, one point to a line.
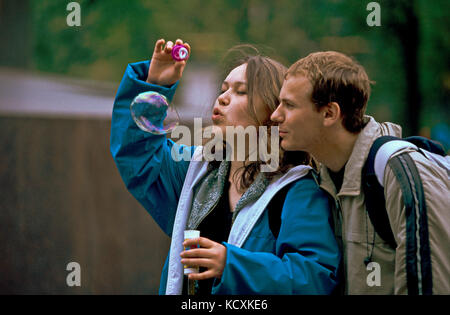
300 124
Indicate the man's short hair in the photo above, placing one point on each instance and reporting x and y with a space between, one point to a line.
338 78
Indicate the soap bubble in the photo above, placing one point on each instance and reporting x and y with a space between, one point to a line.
152 113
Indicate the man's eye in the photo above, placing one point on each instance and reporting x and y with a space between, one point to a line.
288 105
241 92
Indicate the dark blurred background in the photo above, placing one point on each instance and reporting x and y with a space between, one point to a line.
61 197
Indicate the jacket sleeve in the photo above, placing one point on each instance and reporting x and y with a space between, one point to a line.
423 236
144 160
307 255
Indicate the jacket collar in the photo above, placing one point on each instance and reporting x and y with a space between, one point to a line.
351 185
251 212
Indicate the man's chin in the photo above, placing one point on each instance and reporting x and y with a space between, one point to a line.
287 146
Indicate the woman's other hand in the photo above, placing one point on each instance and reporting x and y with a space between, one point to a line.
210 255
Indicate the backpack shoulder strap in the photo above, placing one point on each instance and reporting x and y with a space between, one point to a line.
373 172
383 148
419 280
417 237
374 194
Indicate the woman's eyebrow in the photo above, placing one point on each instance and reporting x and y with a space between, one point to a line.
239 83
236 83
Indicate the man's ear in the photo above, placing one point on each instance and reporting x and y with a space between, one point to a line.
331 114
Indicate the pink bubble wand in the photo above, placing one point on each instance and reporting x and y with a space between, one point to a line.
179 53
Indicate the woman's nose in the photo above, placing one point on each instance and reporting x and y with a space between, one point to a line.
224 99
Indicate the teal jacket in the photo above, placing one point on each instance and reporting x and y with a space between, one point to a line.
303 259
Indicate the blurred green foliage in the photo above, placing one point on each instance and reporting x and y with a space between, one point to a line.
116 32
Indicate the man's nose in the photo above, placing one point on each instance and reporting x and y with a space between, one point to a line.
276 115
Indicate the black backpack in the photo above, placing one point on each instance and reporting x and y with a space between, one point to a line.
407 176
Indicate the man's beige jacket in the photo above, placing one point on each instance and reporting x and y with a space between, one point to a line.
388 272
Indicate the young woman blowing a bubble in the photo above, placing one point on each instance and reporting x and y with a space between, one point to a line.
228 201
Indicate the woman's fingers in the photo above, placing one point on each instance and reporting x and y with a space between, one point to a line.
202 275
202 241
168 48
198 262
197 252
159 45
179 67
164 70
210 255
187 47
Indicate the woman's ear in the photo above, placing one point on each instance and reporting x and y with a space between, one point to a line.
331 114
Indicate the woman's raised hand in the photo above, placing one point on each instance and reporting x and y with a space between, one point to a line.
163 69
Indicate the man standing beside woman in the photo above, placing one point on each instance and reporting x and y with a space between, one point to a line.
322 112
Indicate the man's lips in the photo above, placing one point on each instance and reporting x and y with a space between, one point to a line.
282 132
